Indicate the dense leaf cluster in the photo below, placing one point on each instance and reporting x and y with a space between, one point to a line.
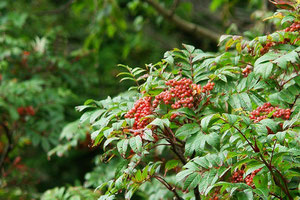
210 142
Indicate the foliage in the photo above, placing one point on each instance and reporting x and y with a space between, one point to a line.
227 124
55 54
70 193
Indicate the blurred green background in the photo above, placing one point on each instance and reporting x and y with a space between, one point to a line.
55 54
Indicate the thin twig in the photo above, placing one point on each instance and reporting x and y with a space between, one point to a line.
287 81
168 186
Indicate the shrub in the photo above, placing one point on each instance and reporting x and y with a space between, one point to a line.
226 124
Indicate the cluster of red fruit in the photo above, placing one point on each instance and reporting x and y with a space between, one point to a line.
29 110
181 93
270 44
249 178
237 177
246 71
294 27
141 109
262 112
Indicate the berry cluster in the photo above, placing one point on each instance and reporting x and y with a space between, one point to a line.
249 178
141 109
208 87
181 93
270 44
29 110
246 71
262 112
237 176
294 27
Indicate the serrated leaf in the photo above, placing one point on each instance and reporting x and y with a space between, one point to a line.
187 130
191 181
136 143
171 164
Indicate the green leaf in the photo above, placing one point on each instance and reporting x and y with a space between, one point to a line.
190 48
192 181
201 56
171 164
234 101
96 114
138 176
213 139
148 135
85 117
206 120
136 143
181 175
289 57
264 69
286 96
270 123
187 130
261 181
267 57
231 118
245 101
108 141
160 122
194 143
122 146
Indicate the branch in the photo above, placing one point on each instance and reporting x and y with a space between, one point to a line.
9 146
168 186
269 166
172 141
180 156
184 25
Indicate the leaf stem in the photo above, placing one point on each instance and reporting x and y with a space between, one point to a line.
273 152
